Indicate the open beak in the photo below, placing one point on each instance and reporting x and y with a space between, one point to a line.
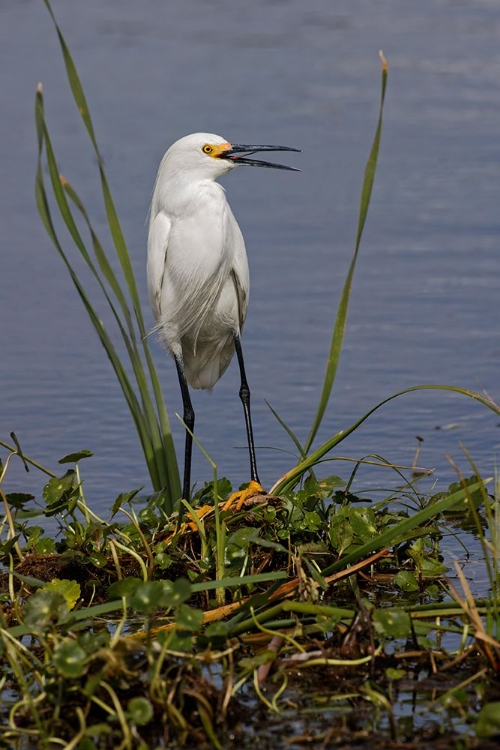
235 154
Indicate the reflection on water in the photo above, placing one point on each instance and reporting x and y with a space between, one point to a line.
424 304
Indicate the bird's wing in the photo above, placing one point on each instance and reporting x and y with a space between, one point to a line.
239 272
242 295
159 230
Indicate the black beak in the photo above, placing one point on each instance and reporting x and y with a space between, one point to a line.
233 154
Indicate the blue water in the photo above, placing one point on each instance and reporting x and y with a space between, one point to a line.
424 305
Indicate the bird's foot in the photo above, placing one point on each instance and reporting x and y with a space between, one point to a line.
240 497
237 498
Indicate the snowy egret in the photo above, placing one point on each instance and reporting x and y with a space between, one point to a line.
197 270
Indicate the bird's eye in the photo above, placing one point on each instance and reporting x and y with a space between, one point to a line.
207 149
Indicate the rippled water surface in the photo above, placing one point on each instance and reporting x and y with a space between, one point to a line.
424 306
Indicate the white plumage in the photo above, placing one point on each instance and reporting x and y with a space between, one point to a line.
197 265
197 268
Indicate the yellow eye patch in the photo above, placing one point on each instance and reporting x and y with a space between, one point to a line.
215 151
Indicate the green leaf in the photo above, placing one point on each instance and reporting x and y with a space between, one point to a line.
391 535
57 487
147 597
431 568
123 499
406 581
140 711
188 618
69 659
392 623
488 721
126 587
162 560
45 546
341 533
43 609
394 674
18 499
181 591
73 458
7 547
310 522
70 590
61 493
98 559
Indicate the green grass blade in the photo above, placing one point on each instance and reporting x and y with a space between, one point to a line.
291 478
341 319
164 448
161 434
45 215
288 431
112 216
390 537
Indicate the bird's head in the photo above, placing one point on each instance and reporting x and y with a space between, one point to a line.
209 156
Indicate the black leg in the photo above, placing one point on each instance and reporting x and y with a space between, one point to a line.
245 400
188 417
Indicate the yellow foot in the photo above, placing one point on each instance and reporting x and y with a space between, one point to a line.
240 497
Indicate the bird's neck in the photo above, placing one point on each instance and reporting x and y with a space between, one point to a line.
181 196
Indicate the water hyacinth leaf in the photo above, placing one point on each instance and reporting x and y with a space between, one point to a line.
393 534
33 534
431 568
140 711
392 623
188 618
406 581
148 596
45 546
341 533
70 590
363 523
18 499
69 659
236 546
73 458
57 487
310 522
98 559
181 591
162 560
44 609
61 493
124 588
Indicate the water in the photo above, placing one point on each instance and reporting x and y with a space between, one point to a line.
424 306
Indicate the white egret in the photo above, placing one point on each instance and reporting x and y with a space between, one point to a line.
197 269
